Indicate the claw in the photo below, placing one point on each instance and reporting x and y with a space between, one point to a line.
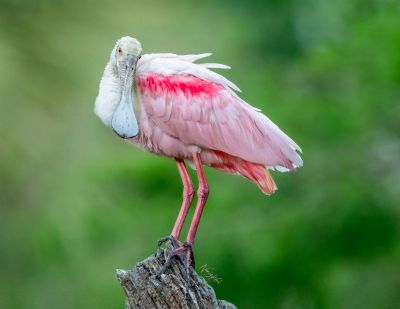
174 242
183 251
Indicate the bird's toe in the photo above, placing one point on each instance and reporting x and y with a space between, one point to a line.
184 253
175 243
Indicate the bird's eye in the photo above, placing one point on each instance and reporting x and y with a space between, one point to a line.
120 50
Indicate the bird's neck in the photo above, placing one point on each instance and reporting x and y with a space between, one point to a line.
109 96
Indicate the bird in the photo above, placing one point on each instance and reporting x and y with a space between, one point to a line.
172 106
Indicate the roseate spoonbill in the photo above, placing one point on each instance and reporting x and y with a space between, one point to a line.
168 105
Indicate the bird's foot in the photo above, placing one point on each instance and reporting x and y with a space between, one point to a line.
171 239
183 251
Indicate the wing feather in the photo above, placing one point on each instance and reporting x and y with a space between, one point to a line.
215 66
198 107
188 58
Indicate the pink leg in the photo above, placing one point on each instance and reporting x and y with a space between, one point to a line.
188 193
185 250
202 195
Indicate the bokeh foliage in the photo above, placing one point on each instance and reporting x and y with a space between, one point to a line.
76 202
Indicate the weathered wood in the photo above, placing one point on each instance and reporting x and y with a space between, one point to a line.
144 289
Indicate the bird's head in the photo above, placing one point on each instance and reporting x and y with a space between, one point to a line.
124 58
125 55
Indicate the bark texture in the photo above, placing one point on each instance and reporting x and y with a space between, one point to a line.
144 289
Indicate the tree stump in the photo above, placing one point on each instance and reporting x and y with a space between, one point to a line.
144 289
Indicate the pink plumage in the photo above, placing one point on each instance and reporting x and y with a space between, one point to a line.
185 110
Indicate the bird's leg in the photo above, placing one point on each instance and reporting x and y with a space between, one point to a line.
202 195
184 251
188 193
179 249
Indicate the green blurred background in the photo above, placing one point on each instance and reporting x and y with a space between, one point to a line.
77 202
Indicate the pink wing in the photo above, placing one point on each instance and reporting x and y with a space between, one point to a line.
197 106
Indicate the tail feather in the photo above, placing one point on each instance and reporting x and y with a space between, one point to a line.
257 173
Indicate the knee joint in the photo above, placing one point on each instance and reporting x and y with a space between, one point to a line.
188 192
203 191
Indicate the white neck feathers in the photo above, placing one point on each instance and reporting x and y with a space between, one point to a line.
109 95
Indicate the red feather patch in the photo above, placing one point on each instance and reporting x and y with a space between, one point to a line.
186 84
